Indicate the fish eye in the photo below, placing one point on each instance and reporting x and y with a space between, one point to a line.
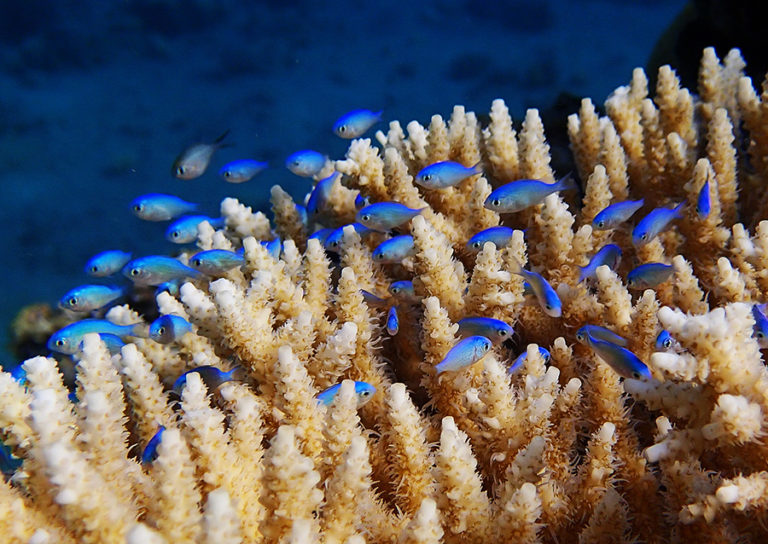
760 334
72 301
197 262
135 271
496 202
427 177
502 332
59 342
643 236
476 245
137 207
579 336
343 129
94 268
161 331
600 224
365 217
548 306
180 170
227 174
365 393
636 375
395 290
667 343
175 234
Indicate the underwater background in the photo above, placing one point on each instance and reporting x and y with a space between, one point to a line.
98 98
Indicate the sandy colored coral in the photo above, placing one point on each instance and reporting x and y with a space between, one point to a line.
562 450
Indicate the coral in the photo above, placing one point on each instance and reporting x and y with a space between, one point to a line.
561 450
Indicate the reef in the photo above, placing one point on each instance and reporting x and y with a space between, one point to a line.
563 450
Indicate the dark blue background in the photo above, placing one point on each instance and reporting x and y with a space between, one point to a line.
97 98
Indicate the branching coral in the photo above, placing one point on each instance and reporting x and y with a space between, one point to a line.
560 450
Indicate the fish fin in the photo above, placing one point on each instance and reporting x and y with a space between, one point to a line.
567 182
477 168
582 272
678 208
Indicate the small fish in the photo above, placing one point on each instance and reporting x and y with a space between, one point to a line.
465 353
166 329
321 235
649 275
621 360
157 269
321 194
211 376
107 263
9 464
653 223
520 360
184 229
545 294
112 342
703 205
609 255
150 451
384 216
761 326
68 339
214 262
361 201
241 170
305 163
519 195
393 323
355 123
601 333
614 215
372 300
363 391
445 174
193 161
494 329
394 250
403 290
273 247
664 341
86 298
500 236
160 207
333 242
171 287
303 216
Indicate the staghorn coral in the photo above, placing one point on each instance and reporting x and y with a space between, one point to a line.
562 450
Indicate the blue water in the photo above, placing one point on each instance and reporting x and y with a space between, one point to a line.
97 99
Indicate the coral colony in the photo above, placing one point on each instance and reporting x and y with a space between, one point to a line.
304 393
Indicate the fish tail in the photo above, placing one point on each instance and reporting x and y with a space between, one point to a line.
678 208
582 273
220 139
567 182
477 169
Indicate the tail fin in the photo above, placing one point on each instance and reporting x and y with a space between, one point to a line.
567 182
678 208
477 169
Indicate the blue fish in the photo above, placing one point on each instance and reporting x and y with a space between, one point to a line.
394 250
321 235
361 201
90 297
214 262
184 229
649 275
334 239
500 236
321 194
305 163
166 329
157 269
614 215
274 247
545 294
384 216
403 290
519 195
303 216
211 376
372 300
761 326
363 392
68 339
520 360
601 333
150 451
355 123
494 329
703 205
107 263
19 374
242 170
393 323
652 224
160 207
194 160
467 352
445 174
9 464
621 360
528 290
609 255
664 341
